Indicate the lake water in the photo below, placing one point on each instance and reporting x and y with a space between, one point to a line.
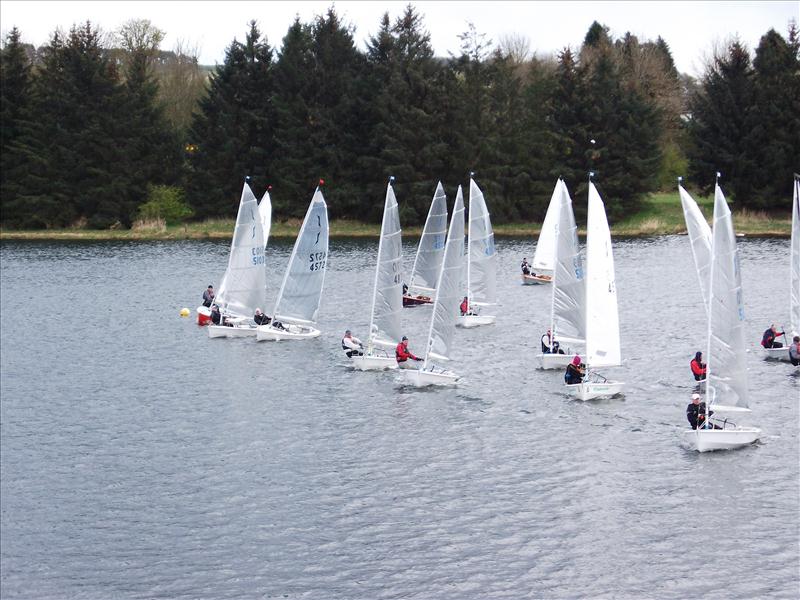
141 459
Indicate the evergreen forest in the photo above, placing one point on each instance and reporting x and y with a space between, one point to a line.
101 130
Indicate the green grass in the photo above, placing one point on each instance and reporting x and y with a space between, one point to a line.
660 214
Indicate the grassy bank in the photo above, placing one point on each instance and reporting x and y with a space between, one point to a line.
661 214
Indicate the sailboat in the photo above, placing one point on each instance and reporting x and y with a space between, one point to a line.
567 303
699 239
265 213
429 252
544 257
726 380
243 286
387 292
481 261
445 307
794 291
602 316
299 298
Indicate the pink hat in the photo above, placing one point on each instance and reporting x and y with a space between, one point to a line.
576 361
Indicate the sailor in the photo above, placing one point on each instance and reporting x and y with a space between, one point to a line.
208 296
693 410
402 354
216 317
405 288
768 339
794 351
260 318
698 367
526 268
352 345
549 345
466 309
575 371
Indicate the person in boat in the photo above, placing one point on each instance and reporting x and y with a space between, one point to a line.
549 345
693 410
260 318
402 354
216 316
575 371
768 339
526 268
466 309
208 296
698 367
352 345
405 289
794 351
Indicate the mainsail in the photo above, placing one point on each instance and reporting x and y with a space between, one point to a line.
387 294
794 301
602 316
699 239
448 288
301 290
726 381
545 255
244 284
265 213
568 313
431 244
481 255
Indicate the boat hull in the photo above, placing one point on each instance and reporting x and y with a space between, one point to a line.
709 440
595 389
469 321
554 361
776 353
536 279
422 378
416 300
373 363
219 331
203 315
268 333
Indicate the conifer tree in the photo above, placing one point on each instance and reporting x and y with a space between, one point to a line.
233 132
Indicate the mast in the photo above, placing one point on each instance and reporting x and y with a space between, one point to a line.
469 243
559 183
378 267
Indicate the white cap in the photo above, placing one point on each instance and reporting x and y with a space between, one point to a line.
695 396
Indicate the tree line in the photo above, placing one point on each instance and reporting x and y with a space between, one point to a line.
94 130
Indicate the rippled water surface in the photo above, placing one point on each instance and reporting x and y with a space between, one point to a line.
140 459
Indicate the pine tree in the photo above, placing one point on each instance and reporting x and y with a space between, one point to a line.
15 85
233 132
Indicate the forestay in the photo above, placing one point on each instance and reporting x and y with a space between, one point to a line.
726 381
301 290
481 256
387 294
699 238
602 316
794 301
448 288
431 245
545 255
568 309
243 286
265 213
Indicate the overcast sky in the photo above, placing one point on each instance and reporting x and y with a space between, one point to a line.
690 28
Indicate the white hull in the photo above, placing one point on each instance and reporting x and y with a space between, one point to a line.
776 353
218 331
469 321
554 361
267 333
373 363
420 378
536 279
595 389
707 440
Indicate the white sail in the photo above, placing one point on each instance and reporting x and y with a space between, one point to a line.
243 286
387 294
448 288
602 317
481 255
699 238
299 297
545 255
568 303
794 301
431 246
726 381
265 213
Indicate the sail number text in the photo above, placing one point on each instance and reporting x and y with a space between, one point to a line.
317 261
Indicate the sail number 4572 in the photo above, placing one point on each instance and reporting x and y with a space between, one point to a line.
317 261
